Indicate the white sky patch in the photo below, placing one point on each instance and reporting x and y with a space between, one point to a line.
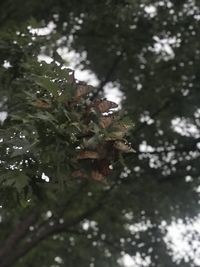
58 259
197 17
45 58
183 241
145 148
3 116
48 214
185 128
73 60
113 93
139 227
6 64
87 224
43 31
151 10
86 76
145 118
197 114
135 261
164 46
45 177
197 190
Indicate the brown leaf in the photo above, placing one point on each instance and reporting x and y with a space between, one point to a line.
88 155
71 78
79 173
114 136
123 147
121 126
103 105
104 167
82 90
41 103
97 176
106 121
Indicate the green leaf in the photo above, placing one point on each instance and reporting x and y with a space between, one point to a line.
63 73
19 152
17 179
46 116
21 181
47 84
22 147
63 97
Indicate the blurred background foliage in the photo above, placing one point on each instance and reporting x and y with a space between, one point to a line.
150 51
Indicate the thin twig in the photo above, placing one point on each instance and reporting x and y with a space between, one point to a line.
108 75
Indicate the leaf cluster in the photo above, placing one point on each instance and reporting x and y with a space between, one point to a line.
54 133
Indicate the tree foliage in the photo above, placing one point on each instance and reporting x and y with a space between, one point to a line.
54 130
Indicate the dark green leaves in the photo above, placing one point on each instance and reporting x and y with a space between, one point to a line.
47 84
16 179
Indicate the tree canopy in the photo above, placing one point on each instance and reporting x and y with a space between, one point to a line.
56 139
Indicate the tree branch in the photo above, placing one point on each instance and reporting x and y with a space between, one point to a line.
19 232
109 74
49 230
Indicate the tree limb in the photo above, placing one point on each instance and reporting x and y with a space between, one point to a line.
19 232
49 230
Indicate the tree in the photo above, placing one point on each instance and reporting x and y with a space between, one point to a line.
152 57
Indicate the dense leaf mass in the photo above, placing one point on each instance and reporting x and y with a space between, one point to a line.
54 132
150 51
